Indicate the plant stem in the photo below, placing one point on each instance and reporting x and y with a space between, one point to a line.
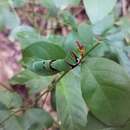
12 114
45 99
97 43
7 87
52 85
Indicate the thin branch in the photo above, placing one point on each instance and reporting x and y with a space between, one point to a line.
45 99
40 96
12 114
97 43
51 86
7 87
53 83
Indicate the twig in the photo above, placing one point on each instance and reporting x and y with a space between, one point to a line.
45 99
51 86
56 80
12 114
7 87
39 97
97 43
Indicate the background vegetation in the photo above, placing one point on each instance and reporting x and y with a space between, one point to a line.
64 64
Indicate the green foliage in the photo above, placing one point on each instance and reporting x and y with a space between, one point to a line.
26 35
59 4
9 19
95 124
10 99
97 10
87 71
71 107
44 50
105 84
37 118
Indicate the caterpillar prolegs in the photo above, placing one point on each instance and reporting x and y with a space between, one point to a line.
49 67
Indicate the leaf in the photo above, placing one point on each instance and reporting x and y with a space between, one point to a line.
71 108
94 124
104 25
60 4
2 106
69 19
56 39
18 3
13 124
97 10
44 50
65 3
10 122
11 20
3 115
10 99
49 4
86 35
101 50
70 42
34 82
26 35
124 59
38 84
37 117
23 77
105 88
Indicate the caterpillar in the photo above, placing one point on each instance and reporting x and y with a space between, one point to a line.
50 67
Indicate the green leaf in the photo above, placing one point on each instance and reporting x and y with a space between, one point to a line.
36 117
18 3
56 39
13 124
3 115
94 124
101 50
11 20
65 3
23 77
104 25
53 11
69 19
70 42
124 60
44 50
86 35
105 88
10 99
26 35
97 10
71 108
34 82
60 4
2 106
38 84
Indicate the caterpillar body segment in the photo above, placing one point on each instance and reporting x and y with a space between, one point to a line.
50 67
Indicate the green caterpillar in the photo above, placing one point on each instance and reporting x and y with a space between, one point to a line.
50 67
